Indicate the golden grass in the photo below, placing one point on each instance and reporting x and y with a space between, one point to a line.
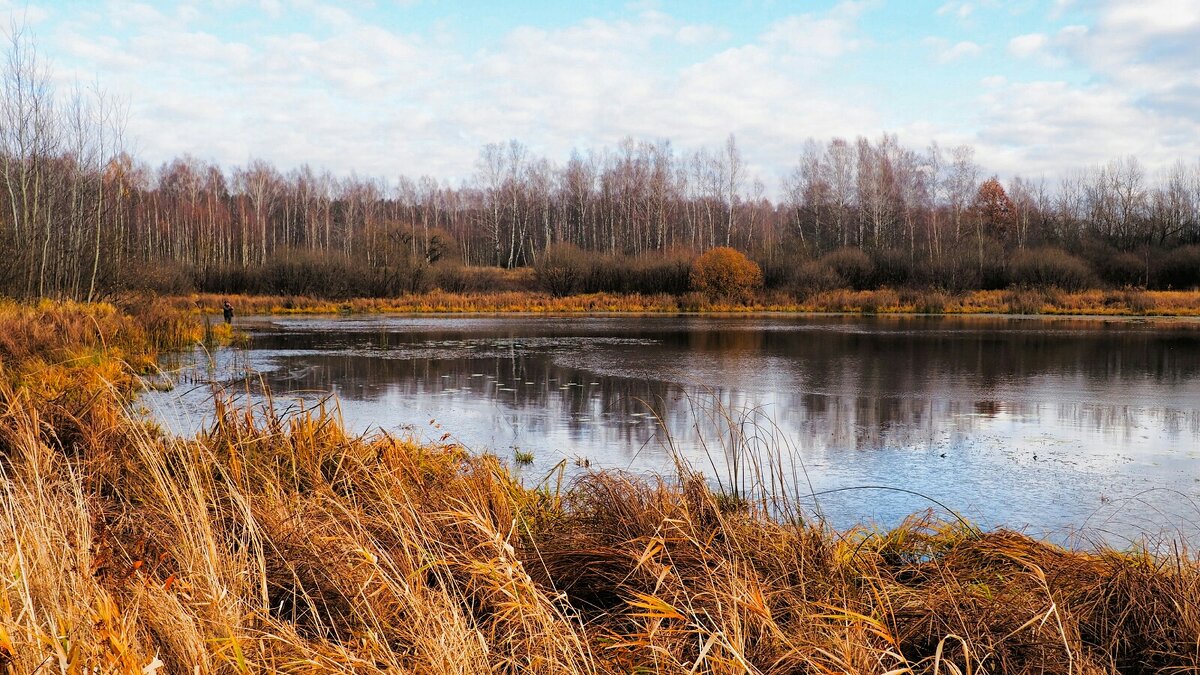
287 545
883 301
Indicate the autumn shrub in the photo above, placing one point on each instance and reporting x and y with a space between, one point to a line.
1178 269
990 258
320 275
892 267
1137 301
1049 267
853 267
726 273
669 273
779 271
1024 301
451 278
560 269
164 278
926 301
814 276
951 271
1119 268
647 274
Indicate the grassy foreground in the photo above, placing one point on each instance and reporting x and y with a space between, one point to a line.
266 545
884 301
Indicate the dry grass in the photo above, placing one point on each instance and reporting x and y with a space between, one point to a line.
1126 302
285 545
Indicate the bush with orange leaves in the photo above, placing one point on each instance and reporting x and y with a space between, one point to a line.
726 273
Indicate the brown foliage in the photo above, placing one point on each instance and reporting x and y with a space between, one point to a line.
560 269
1049 267
283 544
726 273
996 211
853 267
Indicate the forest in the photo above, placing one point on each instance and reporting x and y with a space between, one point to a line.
81 218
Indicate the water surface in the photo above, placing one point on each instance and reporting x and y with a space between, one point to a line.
1049 425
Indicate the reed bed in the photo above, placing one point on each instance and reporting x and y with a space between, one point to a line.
271 544
1124 302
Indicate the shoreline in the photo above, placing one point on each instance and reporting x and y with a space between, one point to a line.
1014 302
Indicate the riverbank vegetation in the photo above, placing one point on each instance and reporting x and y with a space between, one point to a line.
286 545
1017 301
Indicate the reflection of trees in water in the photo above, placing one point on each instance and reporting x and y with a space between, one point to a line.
841 382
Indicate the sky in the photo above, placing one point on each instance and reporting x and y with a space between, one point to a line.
390 87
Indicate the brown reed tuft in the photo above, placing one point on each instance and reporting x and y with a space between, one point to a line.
284 544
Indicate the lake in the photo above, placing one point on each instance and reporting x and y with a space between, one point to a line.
1061 427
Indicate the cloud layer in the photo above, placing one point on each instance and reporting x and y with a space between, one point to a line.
335 87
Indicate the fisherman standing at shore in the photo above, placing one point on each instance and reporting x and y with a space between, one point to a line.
228 311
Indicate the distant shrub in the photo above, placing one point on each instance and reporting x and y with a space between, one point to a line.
165 278
989 261
1025 301
1049 267
1121 268
726 273
411 277
1179 269
560 269
451 278
319 275
693 301
648 274
893 267
779 272
947 272
1138 302
666 273
853 267
931 302
814 277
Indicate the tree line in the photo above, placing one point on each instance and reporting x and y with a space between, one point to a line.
82 217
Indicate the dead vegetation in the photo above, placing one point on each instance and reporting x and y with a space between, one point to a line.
270 544
1126 302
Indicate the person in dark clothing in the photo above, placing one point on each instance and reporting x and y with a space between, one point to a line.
228 309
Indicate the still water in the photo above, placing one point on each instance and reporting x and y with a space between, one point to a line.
1053 426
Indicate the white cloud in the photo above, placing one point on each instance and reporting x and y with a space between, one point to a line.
1051 128
818 36
358 96
956 8
1027 46
693 35
949 53
361 97
1142 96
1060 7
